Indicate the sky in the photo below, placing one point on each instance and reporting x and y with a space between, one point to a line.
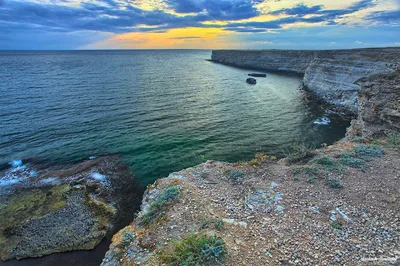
198 24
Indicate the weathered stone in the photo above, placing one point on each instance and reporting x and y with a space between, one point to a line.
64 209
379 107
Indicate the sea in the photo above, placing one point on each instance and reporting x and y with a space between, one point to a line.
160 110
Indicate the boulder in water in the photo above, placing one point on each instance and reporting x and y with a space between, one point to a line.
258 75
251 81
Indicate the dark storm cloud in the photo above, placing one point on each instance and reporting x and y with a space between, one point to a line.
217 9
385 17
89 16
106 16
299 10
302 10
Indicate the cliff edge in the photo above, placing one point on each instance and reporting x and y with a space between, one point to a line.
332 75
336 206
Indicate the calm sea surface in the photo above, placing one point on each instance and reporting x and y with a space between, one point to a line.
161 110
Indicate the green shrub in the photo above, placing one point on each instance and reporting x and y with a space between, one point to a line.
319 168
394 140
299 152
348 159
169 194
368 152
312 172
157 208
236 177
328 163
195 250
333 183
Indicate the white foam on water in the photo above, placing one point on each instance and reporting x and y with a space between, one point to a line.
98 176
8 182
322 121
17 174
15 163
92 157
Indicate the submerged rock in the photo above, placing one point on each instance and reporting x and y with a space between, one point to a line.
63 209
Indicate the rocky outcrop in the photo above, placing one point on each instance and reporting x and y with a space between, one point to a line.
64 208
326 211
332 75
379 107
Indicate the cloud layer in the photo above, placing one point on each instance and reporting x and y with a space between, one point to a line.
98 19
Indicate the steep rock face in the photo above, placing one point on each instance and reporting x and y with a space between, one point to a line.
331 75
379 107
272 60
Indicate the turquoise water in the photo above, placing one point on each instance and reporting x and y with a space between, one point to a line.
161 110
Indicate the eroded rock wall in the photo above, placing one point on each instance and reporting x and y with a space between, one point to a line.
379 107
332 75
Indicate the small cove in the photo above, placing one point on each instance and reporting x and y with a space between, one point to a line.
162 111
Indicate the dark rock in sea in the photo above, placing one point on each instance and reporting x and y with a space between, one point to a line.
251 81
258 75
64 209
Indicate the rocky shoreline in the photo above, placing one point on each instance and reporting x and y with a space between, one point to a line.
64 208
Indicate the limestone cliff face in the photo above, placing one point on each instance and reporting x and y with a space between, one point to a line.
332 75
379 107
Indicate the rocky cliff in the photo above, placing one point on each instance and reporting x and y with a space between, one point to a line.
339 208
379 107
332 75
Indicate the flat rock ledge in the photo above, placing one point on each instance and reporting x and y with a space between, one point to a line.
59 209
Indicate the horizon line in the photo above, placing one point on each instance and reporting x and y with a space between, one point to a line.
188 49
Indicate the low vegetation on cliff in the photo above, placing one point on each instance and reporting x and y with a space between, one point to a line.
196 250
338 206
